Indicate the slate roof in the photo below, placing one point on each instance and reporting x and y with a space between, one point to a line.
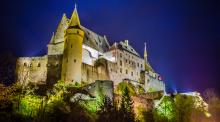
91 39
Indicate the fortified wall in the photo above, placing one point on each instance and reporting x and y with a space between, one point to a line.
31 70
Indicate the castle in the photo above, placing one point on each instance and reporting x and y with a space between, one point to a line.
77 54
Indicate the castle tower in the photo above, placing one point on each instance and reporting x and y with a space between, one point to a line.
72 56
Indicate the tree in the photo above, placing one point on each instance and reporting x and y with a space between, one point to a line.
165 111
7 68
126 107
184 106
213 101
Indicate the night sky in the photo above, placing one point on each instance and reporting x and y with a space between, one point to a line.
183 36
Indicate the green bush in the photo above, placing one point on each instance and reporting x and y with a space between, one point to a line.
30 105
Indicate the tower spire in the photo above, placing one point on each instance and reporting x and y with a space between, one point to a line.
75 6
74 18
145 57
145 51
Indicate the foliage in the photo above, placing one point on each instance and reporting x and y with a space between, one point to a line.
95 104
184 105
140 89
30 105
7 68
8 95
144 116
213 101
126 106
151 90
121 87
165 111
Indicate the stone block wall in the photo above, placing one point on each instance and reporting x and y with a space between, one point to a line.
31 70
54 66
97 72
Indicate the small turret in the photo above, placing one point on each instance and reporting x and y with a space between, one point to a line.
60 32
72 56
74 18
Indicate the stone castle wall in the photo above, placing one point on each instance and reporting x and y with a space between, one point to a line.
152 84
31 70
93 73
54 68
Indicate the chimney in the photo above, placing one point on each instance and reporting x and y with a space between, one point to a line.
126 42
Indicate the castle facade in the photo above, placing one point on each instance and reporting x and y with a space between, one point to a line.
77 54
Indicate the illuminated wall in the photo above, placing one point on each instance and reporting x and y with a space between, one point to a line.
31 70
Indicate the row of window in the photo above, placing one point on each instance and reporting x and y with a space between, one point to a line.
73 60
38 65
130 62
132 57
126 71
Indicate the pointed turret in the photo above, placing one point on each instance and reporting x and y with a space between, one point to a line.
52 39
74 18
145 51
60 32
146 63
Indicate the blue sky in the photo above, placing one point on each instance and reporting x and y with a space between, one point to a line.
182 36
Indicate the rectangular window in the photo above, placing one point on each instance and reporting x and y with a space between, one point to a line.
126 71
120 63
120 70
120 55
